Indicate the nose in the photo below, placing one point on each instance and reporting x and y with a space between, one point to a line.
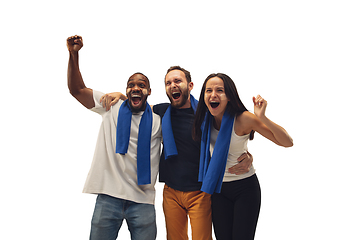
172 85
136 88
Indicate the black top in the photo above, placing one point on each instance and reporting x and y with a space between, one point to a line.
180 172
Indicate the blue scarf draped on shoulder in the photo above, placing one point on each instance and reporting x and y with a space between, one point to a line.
168 136
212 169
144 140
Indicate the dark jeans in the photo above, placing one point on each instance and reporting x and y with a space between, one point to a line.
235 210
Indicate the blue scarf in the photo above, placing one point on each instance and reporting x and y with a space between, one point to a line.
168 136
144 140
212 169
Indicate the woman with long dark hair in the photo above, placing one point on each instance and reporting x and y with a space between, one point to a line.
224 126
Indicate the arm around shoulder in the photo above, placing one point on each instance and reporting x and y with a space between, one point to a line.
110 99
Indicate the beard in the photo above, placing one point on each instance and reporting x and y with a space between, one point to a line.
184 97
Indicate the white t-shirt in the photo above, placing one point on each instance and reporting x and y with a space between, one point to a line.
115 174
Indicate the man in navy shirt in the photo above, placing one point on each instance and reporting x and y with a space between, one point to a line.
182 195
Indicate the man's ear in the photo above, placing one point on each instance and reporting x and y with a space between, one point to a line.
191 86
149 92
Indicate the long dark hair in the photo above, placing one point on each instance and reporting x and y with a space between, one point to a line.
234 106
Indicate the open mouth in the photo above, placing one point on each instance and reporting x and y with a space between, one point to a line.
214 104
136 100
176 95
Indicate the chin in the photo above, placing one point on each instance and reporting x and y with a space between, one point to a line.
214 112
178 103
138 108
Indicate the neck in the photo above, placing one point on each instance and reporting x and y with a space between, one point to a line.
217 122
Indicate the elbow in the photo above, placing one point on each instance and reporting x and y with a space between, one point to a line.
74 92
289 144
286 143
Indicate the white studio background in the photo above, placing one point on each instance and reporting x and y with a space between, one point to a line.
301 56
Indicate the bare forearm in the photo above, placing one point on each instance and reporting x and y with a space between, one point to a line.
75 81
280 134
76 84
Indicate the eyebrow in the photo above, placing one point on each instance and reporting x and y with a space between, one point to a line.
175 79
144 80
216 87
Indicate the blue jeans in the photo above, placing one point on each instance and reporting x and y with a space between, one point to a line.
110 212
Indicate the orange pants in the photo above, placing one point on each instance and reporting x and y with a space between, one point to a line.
177 205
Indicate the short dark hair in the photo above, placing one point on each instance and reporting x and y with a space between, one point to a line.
187 73
141 74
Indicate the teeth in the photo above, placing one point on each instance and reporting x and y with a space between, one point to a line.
135 96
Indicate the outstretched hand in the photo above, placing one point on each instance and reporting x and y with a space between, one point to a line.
74 43
259 106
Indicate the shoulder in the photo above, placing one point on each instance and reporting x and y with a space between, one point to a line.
245 122
98 108
156 127
246 116
156 117
97 95
161 108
